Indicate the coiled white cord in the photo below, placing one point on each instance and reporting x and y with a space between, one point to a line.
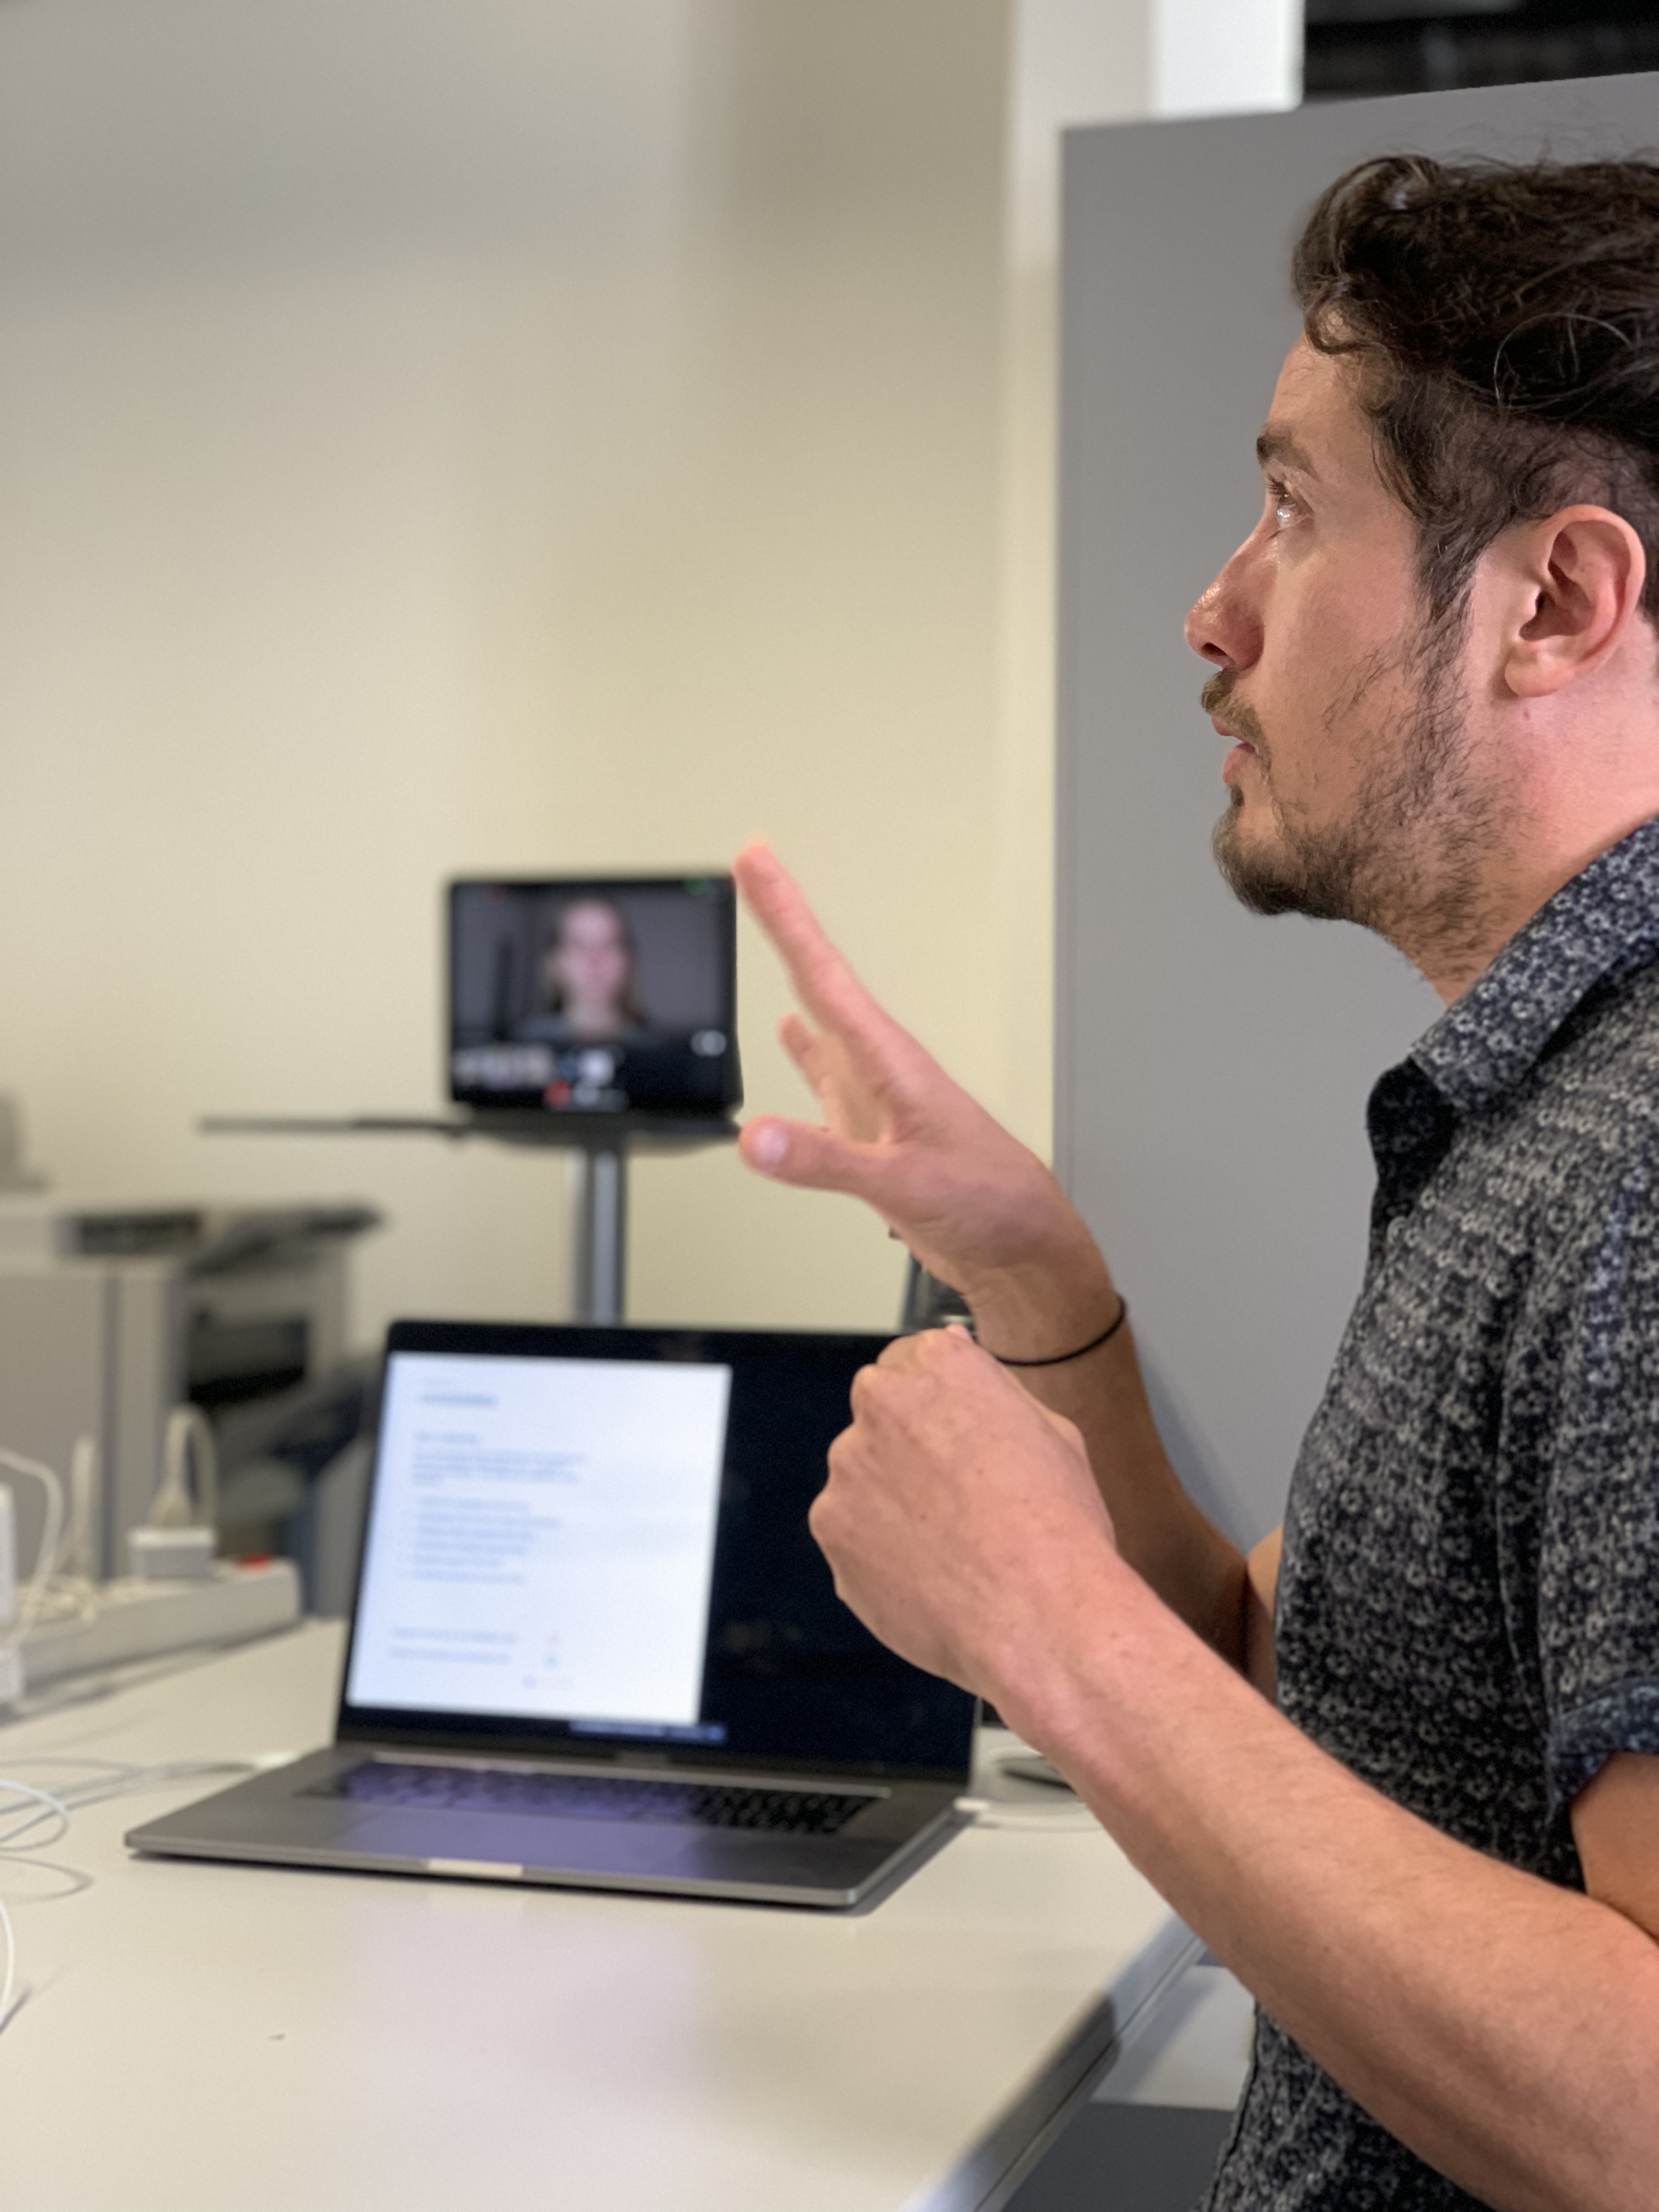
50 1808
25 1809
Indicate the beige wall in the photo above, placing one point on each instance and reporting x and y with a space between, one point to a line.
447 436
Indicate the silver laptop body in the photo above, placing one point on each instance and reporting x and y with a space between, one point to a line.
593 1643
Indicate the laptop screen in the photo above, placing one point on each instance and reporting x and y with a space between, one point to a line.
596 1539
594 996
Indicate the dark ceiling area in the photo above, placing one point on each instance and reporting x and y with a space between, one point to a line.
1360 48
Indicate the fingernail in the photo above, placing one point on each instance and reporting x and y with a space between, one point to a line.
770 1146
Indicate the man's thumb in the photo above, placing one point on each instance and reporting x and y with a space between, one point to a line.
795 1152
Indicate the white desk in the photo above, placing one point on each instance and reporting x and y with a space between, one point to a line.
208 2038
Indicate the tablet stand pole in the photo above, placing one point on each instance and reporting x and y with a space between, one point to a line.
598 1145
599 1275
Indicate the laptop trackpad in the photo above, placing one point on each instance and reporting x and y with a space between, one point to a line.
620 1848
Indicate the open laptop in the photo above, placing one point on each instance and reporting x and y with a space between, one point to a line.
594 1641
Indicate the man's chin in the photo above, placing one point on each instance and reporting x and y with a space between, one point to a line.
1249 873
1269 875
1257 870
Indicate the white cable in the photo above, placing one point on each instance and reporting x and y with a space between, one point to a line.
188 1442
52 1596
52 1536
15 1824
78 1561
108 1778
52 1808
113 1779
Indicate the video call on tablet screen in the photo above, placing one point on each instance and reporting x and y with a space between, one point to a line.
594 996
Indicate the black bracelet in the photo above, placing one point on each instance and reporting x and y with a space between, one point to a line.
1059 1359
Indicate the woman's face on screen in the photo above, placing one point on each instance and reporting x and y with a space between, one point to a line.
589 963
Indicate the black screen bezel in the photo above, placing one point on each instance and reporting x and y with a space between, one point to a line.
481 1101
509 1734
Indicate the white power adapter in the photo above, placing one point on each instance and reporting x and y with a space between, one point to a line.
170 1555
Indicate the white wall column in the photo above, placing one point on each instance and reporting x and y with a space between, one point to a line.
1222 57
1074 62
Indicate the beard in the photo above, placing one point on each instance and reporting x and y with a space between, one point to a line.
1411 855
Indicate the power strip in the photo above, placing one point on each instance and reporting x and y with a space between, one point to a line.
143 1619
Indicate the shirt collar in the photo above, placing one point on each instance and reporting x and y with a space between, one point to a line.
1597 928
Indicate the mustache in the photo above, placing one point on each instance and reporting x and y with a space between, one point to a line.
1216 698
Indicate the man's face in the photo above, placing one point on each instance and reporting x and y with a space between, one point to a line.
1350 791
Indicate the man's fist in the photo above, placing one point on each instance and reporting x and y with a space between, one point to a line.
960 1514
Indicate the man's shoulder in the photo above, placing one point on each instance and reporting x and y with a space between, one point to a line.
1566 1170
1556 1162
1600 1071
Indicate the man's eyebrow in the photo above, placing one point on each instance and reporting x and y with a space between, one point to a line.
1277 447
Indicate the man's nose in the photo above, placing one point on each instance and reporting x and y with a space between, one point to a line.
1224 626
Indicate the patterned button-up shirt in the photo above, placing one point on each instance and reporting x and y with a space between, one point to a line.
1469 1604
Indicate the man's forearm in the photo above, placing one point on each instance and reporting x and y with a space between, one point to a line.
1506 2029
1199 1572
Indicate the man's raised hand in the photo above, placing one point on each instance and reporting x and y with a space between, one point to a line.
970 1201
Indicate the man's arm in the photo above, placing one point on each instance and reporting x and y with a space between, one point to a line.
1261 1597
1506 2028
1615 1825
982 1212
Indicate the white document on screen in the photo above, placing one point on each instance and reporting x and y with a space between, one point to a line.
542 1539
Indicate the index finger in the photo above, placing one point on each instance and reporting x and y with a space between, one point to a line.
823 982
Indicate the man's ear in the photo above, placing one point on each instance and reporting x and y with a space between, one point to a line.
1576 579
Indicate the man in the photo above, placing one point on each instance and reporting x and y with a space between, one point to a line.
1407 1784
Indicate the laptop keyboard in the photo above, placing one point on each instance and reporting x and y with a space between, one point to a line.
595 1797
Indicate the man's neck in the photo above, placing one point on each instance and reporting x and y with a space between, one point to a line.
1519 883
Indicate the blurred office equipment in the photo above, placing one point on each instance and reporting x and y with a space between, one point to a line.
15 1174
112 1314
1358 49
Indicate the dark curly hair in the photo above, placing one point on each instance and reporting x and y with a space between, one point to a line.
1507 319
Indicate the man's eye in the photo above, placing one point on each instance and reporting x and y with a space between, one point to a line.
1285 508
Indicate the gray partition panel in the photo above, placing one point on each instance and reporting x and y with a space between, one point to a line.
1212 1066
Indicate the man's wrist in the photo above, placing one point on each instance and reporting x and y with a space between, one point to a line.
1103 1677
1044 1306
1052 1684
